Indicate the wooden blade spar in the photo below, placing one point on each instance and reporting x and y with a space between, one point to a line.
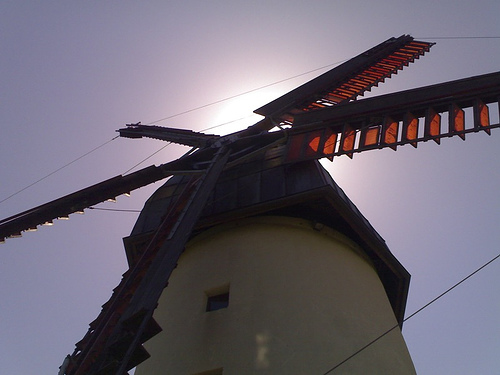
180 136
79 201
113 344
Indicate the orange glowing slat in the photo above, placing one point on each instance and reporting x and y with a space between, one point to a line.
410 128
398 60
456 120
334 98
390 132
481 116
316 104
369 136
330 143
313 143
432 126
354 85
347 91
406 55
379 69
413 50
361 80
348 139
374 74
388 66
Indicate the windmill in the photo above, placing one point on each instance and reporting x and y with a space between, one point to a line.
319 119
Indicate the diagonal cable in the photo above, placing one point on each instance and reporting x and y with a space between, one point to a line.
58 169
413 314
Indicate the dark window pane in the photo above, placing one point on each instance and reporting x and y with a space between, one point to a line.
220 301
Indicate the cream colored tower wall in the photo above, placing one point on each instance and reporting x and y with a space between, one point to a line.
300 301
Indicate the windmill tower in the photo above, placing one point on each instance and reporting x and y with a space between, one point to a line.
270 267
283 276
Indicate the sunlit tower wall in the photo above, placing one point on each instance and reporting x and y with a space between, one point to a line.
283 275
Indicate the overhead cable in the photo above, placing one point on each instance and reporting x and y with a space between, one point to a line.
150 156
413 314
459 37
58 169
247 92
113 209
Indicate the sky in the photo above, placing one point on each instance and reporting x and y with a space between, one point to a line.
71 73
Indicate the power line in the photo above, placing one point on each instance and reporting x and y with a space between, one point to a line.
413 314
150 156
227 123
247 92
112 209
58 169
460 37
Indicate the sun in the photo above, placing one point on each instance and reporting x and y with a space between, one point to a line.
237 113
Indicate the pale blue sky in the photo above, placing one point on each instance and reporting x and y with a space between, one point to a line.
73 73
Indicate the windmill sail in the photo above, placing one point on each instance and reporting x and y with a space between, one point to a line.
407 117
349 80
85 198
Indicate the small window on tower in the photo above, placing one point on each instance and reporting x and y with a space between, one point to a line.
218 298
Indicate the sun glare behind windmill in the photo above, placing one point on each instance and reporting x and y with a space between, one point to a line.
237 113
